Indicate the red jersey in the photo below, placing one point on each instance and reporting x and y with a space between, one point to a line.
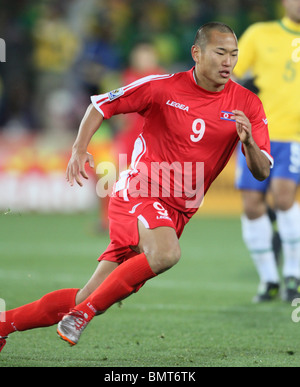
187 138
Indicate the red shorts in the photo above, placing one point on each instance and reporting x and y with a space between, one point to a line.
123 223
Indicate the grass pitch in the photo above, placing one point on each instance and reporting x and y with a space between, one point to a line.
198 314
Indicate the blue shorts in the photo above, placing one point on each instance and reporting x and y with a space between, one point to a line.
286 166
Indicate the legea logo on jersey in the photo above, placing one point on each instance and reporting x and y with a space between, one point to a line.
2 50
227 116
177 105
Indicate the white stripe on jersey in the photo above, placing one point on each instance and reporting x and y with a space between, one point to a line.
123 183
96 103
139 149
146 79
98 100
144 221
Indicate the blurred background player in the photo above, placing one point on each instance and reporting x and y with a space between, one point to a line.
270 52
143 61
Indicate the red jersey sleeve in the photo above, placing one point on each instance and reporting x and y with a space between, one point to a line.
136 97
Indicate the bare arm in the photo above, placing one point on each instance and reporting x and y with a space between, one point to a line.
257 161
90 123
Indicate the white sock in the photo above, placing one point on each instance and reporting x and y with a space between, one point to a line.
288 223
257 235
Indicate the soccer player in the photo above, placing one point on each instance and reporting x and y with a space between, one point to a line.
271 51
193 121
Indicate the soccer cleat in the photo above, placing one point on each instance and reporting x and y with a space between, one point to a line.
72 325
292 289
268 291
2 342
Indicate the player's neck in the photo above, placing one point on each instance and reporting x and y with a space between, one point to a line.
207 84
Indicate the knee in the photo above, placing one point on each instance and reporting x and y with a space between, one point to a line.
254 205
162 259
283 202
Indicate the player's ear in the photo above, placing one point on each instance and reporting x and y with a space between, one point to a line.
196 52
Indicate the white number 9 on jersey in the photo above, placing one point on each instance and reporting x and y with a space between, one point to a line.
198 129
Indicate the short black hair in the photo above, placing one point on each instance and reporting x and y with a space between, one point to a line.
203 33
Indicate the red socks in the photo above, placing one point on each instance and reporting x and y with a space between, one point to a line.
47 311
42 313
118 285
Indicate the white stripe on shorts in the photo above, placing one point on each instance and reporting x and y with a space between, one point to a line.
144 221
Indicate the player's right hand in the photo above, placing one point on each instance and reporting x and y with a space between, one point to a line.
76 167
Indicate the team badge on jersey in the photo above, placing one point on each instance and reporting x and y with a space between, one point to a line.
228 116
115 94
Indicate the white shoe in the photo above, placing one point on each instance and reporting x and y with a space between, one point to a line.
72 325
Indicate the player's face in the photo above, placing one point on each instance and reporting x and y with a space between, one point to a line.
292 8
214 65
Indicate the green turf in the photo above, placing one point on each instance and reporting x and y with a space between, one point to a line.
197 314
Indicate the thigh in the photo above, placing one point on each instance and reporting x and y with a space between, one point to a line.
285 174
286 160
159 229
160 245
124 217
254 203
283 193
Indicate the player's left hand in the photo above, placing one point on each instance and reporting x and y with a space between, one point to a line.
243 127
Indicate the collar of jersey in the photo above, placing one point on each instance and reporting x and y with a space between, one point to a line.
290 26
